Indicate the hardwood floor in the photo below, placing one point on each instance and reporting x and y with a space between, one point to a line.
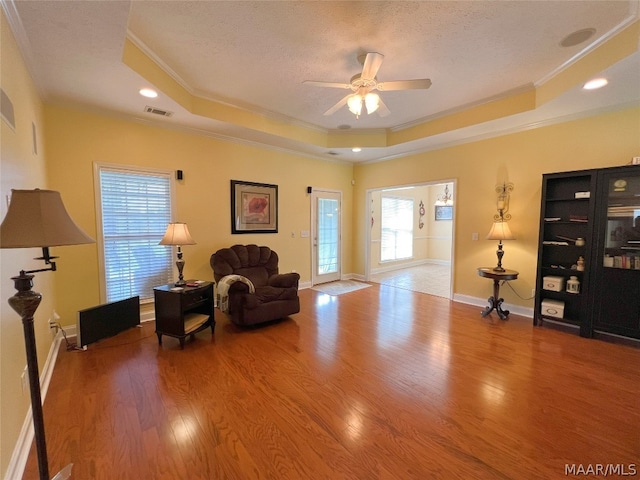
381 383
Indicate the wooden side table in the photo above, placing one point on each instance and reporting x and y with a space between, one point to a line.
185 311
495 302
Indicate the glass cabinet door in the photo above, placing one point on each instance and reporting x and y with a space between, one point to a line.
616 296
622 236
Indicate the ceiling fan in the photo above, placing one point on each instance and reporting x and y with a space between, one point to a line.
362 86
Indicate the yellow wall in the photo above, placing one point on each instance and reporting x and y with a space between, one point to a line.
20 168
75 140
599 141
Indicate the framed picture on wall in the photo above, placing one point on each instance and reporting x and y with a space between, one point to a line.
254 207
444 212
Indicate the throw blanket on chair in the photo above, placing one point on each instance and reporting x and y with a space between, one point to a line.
223 289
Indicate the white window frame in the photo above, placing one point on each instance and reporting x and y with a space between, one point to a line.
382 228
97 168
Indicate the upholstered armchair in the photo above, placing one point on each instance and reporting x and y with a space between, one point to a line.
250 289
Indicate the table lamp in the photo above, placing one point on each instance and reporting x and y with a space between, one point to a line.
500 231
178 234
37 218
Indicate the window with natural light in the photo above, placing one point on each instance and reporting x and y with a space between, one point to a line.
134 208
397 228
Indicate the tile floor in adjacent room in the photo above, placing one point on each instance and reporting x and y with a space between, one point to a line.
429 278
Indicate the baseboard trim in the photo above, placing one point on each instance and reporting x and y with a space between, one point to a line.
25 438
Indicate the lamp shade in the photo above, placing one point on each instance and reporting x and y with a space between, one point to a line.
37 218
177 234
500 231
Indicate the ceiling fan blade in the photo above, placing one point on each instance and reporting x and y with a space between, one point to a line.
383 110
327 84
371 65
422 83
337 106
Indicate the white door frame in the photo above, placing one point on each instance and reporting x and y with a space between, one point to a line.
367 221
315 193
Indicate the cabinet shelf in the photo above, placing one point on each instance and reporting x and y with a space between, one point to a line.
563 320
565 272
567 199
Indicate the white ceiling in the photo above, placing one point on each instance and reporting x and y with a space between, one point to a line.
256 55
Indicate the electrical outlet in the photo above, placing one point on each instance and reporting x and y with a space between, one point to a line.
474 236
533 292
53 326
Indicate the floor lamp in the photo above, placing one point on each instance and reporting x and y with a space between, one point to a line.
37 218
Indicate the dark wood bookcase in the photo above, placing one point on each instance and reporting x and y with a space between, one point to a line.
598 227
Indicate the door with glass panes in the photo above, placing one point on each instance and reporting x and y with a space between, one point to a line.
326 214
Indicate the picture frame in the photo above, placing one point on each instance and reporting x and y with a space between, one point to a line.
254 207
444 212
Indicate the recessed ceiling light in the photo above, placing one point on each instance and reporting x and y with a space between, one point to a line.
149 93
595 84
356 149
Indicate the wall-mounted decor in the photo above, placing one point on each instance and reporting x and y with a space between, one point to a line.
254 207
444 212
421 212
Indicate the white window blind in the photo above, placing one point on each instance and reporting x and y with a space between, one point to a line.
135 208
397 228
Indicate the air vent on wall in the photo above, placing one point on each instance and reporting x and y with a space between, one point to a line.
157 111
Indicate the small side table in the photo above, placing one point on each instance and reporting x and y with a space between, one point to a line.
183 312
495 302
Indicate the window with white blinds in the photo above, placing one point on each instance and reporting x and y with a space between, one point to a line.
135 208
397 228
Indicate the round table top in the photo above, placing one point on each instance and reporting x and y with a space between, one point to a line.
489 272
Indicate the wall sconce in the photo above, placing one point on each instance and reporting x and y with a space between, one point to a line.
502 204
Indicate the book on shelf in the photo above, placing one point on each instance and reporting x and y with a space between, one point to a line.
629 262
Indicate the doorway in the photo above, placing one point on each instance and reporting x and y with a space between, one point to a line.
326 215
426 264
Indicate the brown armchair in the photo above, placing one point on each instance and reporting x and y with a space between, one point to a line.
275 295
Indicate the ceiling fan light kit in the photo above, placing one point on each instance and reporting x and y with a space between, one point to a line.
371 102
363 84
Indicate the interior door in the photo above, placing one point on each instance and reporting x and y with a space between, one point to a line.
326 216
